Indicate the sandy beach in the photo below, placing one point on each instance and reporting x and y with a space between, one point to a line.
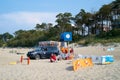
61 70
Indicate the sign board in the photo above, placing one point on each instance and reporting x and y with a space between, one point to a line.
82 63
66 36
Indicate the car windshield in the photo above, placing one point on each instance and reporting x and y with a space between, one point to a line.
38 49
52 48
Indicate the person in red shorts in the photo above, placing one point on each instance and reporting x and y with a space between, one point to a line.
53 58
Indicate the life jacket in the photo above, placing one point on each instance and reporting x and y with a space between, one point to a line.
71 50
63 50
66 50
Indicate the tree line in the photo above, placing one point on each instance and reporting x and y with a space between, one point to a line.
104 23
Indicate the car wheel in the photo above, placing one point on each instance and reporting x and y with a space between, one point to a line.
37 57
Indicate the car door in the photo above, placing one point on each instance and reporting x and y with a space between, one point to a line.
43 52
49 52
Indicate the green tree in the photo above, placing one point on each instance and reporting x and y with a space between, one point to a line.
7 36
105 11
115 13
64 21
41 27
82 18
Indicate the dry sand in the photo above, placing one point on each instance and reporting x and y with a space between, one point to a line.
60 70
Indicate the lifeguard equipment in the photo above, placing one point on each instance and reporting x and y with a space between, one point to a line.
66 36
21 59
63 50
49 43
28 60
76 65
82 63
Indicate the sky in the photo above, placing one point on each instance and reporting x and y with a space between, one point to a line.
25 14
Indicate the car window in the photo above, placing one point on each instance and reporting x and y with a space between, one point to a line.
45 49
49 49
53 48
38 49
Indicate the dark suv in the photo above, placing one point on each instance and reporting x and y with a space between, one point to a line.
43 52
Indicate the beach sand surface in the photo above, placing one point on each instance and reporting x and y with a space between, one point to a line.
61 70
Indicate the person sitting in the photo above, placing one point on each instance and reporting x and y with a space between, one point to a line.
59 57
53 58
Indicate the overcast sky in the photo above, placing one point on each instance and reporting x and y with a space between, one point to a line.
25 14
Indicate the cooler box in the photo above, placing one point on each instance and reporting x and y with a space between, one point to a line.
107 59
96 59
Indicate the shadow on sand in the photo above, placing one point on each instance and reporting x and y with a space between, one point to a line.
70 68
